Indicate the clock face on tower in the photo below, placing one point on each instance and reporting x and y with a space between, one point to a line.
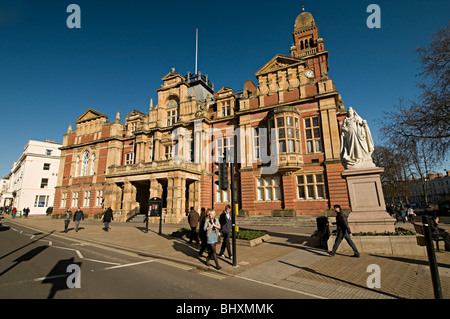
309 74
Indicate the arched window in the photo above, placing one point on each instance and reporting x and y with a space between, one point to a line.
77 166
85 164
92 165
173 110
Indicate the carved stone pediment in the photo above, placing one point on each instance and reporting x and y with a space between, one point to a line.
276 63
90 115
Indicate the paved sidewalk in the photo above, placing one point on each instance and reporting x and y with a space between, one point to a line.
291 259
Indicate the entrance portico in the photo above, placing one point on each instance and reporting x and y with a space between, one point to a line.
129 195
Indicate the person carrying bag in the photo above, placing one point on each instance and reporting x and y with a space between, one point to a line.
212 227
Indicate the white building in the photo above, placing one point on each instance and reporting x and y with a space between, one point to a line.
33 177
5 195
438 186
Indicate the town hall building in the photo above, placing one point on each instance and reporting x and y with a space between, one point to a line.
292 115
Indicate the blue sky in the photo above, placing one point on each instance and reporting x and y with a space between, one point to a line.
50 74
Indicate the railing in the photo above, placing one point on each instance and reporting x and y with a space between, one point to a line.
155 166
307 52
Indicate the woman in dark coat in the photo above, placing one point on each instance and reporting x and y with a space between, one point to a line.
107 218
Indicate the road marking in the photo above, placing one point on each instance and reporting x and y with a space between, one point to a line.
50 244
281 287
174 264
50 277
129 265
32 280
103 262
212 275
77 251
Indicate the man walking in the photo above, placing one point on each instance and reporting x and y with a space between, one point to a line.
67 218
193 219
107 218
343 231
77 217
225 227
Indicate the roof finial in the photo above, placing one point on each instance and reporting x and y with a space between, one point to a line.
303 7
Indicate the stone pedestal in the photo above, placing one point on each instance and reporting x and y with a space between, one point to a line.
368 209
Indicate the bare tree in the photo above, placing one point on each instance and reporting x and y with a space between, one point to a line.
427 119
396 172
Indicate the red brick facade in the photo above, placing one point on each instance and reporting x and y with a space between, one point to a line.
294 99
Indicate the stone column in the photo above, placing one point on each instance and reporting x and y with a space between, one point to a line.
130 206
178 197
155 188
170 194
191 199
197 195
182 211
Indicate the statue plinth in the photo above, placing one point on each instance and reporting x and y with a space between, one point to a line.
368 210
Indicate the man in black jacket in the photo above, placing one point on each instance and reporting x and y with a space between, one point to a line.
225 227
77 217
343 231
107 218
437 232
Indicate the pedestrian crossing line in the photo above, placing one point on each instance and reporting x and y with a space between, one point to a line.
102 261
129 265
175 264
75 250
212 275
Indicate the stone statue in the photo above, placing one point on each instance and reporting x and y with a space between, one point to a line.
356 142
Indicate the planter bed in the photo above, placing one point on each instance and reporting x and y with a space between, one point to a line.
248 238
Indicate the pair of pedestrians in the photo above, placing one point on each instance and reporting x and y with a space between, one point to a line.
77 217
210 231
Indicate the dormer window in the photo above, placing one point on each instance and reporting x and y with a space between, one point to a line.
172 110
226 109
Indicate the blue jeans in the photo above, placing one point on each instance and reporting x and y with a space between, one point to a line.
341 235
106 226
66 224
77 223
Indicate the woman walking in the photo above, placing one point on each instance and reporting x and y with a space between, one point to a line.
212 227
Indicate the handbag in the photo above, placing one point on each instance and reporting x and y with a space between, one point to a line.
219 237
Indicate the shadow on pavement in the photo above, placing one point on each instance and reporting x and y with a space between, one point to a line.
25 257
58 276
340 280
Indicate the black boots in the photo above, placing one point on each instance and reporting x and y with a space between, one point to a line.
217 263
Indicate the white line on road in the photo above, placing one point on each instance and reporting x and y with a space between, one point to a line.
281 287
128 265
50 277
175 264
103 262
77 251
